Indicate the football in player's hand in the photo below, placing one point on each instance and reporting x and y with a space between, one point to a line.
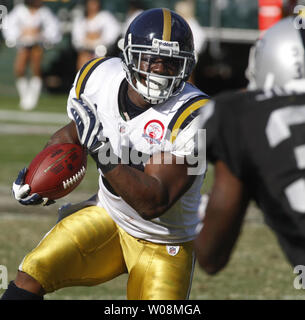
57 170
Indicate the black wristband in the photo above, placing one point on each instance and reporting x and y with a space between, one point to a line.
105 168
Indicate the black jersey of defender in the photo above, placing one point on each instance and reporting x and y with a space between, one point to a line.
262 140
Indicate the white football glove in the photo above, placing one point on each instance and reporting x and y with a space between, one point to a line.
90 133
21 191
87 123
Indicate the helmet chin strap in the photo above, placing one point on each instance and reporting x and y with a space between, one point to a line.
156 83
156 89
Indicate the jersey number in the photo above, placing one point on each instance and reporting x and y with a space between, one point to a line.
278 130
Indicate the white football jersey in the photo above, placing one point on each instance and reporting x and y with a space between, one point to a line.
170 126
25 27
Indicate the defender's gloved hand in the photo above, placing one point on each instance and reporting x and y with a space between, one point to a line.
21 191
87 123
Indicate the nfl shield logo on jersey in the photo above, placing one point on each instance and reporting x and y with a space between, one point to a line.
172 250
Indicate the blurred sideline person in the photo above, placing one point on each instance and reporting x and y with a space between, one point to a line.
145 216
31 27
256 140
94 32
135 7
187 10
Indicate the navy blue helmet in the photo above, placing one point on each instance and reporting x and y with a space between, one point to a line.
158 34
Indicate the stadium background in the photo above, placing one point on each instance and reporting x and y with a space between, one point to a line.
257 270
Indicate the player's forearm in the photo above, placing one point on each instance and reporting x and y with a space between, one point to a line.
66 134
146 194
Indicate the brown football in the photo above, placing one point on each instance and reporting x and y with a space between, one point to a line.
57 170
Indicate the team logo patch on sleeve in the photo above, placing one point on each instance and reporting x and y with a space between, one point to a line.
154 131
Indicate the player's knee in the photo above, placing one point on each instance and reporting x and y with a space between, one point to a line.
26 282
36 271
23 288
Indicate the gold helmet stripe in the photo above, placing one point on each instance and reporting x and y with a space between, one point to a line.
167 25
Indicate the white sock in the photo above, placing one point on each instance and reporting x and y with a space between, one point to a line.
22 88
34 89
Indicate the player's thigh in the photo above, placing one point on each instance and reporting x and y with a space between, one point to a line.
82 249
157 271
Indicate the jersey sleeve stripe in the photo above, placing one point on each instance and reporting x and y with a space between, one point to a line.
179 112
185 116
85 73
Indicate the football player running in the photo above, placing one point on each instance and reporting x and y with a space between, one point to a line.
145 216
256 141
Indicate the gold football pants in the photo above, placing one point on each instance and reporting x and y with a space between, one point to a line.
88 248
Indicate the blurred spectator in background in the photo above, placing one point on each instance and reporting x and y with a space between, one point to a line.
269 12
135 7
31 27
94 32
187 10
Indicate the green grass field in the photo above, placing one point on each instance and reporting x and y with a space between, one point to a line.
257 270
